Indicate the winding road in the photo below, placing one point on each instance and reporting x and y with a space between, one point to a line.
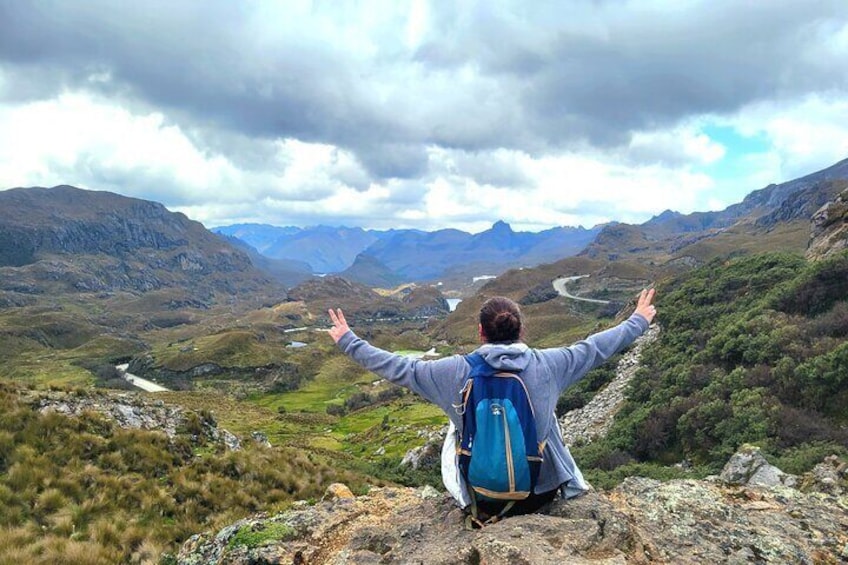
143 384
559 286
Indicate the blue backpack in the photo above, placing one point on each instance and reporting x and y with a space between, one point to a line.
499 453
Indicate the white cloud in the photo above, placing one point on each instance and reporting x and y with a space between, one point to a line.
806 135
96 143
682 144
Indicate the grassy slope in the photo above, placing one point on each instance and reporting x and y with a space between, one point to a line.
83 490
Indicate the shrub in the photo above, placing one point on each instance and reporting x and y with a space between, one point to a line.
358 400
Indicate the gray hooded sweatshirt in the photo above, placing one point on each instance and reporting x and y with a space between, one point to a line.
545 372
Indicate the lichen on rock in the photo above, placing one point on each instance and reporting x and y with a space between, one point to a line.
640 521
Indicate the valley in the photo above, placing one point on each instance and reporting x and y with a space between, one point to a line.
752 350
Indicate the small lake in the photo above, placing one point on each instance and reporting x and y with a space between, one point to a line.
452 303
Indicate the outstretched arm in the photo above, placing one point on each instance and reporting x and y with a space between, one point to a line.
573 362
437 381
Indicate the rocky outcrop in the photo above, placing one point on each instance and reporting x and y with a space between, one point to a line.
829 230
640 521
594 420
127 410
130 410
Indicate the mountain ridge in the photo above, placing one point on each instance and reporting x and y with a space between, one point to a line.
671 235
81 240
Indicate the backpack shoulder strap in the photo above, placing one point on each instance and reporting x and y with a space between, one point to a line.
479 366
475 360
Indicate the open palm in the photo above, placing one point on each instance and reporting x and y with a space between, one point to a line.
340 326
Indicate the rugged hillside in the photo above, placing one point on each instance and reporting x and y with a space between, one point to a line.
120 478
830 228
65 239
751 350
369 271
770 219
87 278
640 521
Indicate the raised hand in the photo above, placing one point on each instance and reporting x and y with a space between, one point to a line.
339 324
644 306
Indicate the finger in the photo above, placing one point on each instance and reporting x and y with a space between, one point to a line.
342 317
333 317
641 300
650 297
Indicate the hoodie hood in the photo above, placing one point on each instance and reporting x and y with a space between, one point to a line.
506 356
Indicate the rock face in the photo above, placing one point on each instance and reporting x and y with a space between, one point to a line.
640 521
829 231
594 420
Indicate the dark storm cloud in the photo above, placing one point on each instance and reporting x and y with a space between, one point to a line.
535 79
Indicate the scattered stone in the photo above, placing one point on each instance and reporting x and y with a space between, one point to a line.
829 477
231 442
336 491
748 467
261 438
593 421
426 455
429 491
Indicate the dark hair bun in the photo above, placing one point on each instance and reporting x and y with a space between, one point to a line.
500 318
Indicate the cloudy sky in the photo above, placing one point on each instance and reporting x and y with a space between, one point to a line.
422 114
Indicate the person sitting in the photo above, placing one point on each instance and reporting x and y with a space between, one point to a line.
546 373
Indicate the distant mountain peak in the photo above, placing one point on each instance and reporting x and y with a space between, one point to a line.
501 227
666 214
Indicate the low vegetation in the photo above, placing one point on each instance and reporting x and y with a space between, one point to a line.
753 350
83 490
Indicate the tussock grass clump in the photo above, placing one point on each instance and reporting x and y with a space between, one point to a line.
82 490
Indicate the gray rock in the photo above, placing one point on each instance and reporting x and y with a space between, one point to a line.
428 491
829 477
231 442
748 467
261 438
423 456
